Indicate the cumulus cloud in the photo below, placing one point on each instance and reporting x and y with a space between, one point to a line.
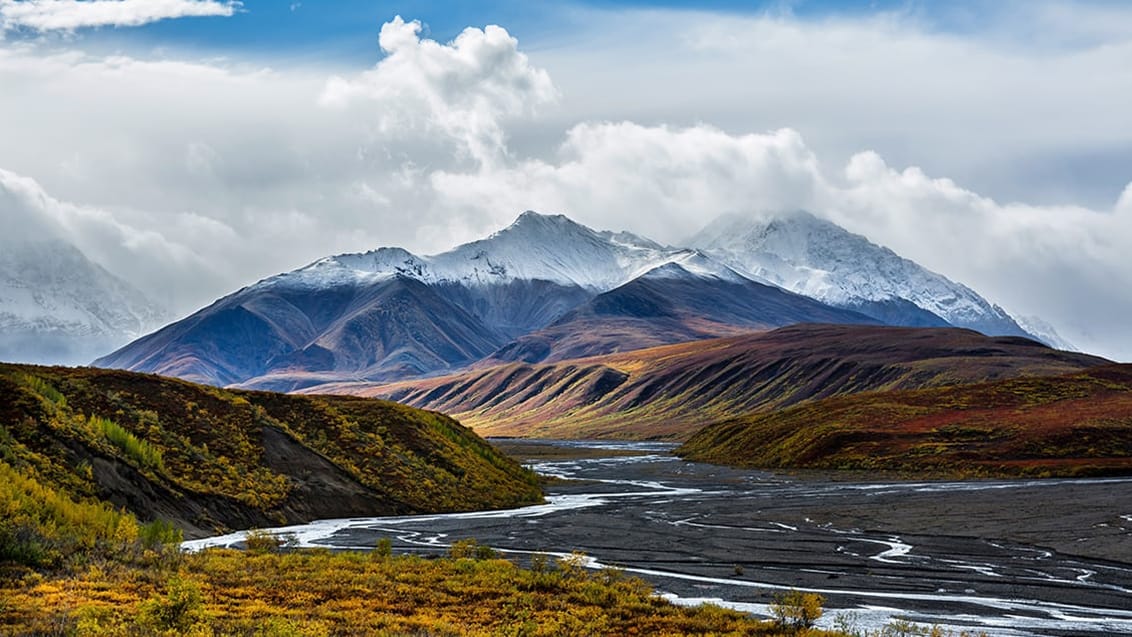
463 89
71 15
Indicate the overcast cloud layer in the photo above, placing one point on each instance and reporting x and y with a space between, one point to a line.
194 178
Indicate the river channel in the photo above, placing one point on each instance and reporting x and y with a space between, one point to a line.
1008 557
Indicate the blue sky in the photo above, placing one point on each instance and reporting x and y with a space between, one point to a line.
343 31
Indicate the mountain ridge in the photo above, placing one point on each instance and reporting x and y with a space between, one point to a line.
542 288
815 257
1078 424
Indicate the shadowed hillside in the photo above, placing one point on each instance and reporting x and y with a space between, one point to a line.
669 392
1079 424
208 459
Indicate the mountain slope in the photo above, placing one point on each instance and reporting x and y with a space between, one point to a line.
1079 424
209 459
57 306
669 392
386 327
673 303
819 259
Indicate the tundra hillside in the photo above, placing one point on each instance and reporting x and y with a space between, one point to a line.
1073 425
207 460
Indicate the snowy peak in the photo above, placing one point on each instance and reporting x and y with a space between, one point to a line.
535 247
691 264
57 306
817 258
550 248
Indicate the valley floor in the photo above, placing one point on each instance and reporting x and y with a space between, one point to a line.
1009 557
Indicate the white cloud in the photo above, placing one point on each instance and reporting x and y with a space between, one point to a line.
151 257
197 178
666 182
464 89
71 15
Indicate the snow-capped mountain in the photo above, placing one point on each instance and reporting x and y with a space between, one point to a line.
546 287
58 307
817 258
535 247
388 313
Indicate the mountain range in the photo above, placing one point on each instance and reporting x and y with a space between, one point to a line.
547 289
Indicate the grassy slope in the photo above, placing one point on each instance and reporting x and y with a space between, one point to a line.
671 391
1079 424
316 593
210 459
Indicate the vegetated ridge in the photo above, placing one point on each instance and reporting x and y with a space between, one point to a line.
669 392
207 459
1073 425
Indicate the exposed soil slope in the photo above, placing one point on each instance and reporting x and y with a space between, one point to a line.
208 459
671 391
1078 424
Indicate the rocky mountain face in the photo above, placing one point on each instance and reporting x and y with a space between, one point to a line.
543 289
59 307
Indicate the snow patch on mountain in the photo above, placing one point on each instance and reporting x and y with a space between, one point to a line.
1045 332
58 307
535 247
811 256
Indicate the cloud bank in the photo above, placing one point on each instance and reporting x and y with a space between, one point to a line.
71 15
192 179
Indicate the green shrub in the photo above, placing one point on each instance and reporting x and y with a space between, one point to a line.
158 534
260 541
180 607
145 455
796 609
384 547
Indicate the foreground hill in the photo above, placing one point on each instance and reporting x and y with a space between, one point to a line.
1078 424
669 392
207 459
